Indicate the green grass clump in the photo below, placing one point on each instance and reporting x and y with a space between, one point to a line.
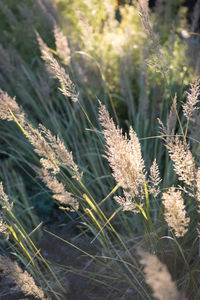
132 182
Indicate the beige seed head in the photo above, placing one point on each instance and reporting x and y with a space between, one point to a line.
175 213
192 99
58 189
10 108
20 278
62 46
124 155
158 278
67 86
184 165
154 179
198 188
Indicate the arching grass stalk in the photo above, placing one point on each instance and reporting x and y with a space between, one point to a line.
107 266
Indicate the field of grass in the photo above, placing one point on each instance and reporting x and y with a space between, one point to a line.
99 150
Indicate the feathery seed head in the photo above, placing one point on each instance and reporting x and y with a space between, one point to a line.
175 213
52 150
3 228
184 165
154 179
67 86
4 198
43 149
158 278
20 278
62 46
9 106
5 206
62 155
124 155
192 99
198 188
127 203
58 189
144 14
158 58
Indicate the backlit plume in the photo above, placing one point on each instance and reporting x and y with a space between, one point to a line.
158 278
175 213
124 156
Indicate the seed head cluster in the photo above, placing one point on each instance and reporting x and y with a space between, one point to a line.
63 156
184 165
124 156
154 179
158 278
58 189
22 280
4 198
192 99
198 188
51 150
175 213
67 86
62 46
9 107
126 203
